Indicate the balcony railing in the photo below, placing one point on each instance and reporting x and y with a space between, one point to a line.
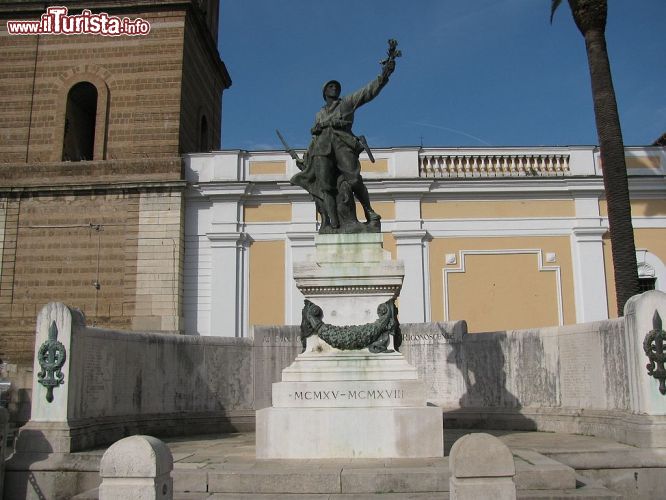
488 165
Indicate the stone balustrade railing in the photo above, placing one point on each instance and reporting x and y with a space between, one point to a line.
489 165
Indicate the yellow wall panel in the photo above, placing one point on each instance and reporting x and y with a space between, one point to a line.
390 245
639 208
476 289
476 209
268 212
503 291
268 167
380 166
652 161
266 290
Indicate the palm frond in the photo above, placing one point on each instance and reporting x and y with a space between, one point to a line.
553 7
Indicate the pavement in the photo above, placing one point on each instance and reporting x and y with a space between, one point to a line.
548 465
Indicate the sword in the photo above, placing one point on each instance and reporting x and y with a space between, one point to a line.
289 150
366 148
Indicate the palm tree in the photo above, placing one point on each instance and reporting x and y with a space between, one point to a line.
590 17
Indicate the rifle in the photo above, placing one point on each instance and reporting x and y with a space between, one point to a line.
289 150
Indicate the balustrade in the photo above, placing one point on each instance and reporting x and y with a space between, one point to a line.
489 165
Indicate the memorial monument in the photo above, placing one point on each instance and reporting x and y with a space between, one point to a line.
350 393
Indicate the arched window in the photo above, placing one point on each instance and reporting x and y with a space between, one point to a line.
80 117
651 271
203 135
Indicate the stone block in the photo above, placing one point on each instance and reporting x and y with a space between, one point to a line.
481 467
190 480
351 277
349 433
349 394
475 488
349 365
394 480
137 467
276 479
535 471
481 455
349 248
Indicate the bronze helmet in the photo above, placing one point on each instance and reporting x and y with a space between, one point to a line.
323 89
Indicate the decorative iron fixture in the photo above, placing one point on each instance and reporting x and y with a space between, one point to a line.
654 347
51 357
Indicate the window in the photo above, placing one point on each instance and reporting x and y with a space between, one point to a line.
80 117
203 135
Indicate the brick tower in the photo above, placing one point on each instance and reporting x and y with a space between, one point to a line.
92 129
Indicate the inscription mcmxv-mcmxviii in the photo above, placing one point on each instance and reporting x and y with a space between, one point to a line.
376 394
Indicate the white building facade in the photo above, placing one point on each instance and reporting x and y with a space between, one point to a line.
504 238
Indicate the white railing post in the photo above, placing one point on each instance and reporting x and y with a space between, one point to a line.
481 467
136 468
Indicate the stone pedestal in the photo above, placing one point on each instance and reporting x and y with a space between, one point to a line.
351 276
335 403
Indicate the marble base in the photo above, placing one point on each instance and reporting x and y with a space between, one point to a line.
351 276
333 364
349 433
340 394
349 404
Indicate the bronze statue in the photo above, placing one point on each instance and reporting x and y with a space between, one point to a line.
330 168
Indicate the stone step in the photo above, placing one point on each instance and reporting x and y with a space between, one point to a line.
533 472
537 476
587 493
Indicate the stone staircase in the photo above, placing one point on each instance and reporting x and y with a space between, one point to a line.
548 465
537 476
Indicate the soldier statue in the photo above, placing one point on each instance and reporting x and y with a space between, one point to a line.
330 168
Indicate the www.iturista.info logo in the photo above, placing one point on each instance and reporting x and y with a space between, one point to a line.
57 21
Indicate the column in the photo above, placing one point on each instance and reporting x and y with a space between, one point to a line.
588 260
412 249
300 248
228 302
589 274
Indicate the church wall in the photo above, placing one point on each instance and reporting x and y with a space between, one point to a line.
158 261
16 82
124 208
202 85
143 81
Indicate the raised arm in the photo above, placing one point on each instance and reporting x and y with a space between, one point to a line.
372 89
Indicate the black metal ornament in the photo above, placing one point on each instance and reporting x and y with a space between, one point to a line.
654 346
51 357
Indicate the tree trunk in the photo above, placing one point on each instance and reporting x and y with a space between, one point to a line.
614 167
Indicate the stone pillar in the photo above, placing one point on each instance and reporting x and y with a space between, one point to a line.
340 400
588 262
227 302
349 278
412 249
644 389
481 467
300 248
48 430
136 468
4 422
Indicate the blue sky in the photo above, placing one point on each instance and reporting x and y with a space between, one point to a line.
473 73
